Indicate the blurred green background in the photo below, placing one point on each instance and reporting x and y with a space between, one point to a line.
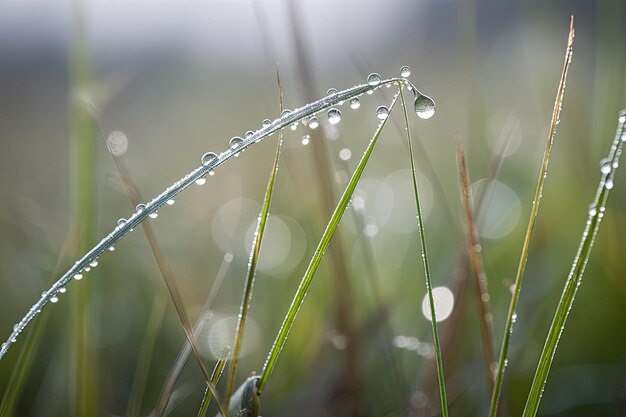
181 78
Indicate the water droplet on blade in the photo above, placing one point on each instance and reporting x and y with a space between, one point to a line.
306 139
355 103
314 123
208 157
331 91
382 112
154 215
121 222
405 71
424 106
267 122
199 181
373 79
334 116
140 207
235 142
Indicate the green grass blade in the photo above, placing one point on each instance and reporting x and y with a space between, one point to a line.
422 237
508 330
252 268
596 212
215 377
298 299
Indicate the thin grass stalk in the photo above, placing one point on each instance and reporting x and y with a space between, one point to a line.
83 382
215 377
422 237
595 215
298 299
474 253
512 315
185 351
253 262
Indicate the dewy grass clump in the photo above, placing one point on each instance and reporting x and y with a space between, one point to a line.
424 107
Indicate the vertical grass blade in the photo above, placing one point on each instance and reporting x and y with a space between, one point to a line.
253 262
508 329
596 212
474 254
298 299
422 237
215 377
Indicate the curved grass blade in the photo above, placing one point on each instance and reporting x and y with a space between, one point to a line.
422 237
298 299
125 226
596 212
474 254
253 262
215 377
508 330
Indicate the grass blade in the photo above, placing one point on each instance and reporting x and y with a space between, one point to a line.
185 351
508 330
298 299
422 237
596 212
254 258
474 254
215 377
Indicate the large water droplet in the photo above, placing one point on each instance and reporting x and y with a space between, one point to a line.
355 103
306 139
155 214
121 222
54 299
382 112
405 71
608 184
373 79
334 116
199 181
235 142
62 290
424 106
605 166
140 207
285 112
170 202
592 210
249 133
331 91
267 122
314 123
209 157
78 277
93 263
294 125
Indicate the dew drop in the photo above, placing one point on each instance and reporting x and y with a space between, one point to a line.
121 222
285 112
424 106
93 263
211 172
334 116
87 269
62 290
78 277
355 103
608 184
314 123
592 210
208 157
294 126
605 166
266 122
54 299
235 142
170 202
622 119
331 91
373 79
382 112
140 207
155 214
199 181
306 139
405 71
249 133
